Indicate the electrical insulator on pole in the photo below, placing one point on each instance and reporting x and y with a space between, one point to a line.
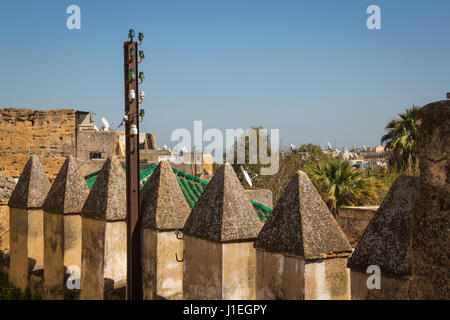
133 115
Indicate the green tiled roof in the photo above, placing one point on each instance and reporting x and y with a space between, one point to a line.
192 187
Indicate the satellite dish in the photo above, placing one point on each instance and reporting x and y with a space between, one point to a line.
105 124
184 149
95 128
292 146
247 177
329 145
165 147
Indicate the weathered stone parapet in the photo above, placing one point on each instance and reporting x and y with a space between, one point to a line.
26 223
386 244
431 213
218 271
164 213
62 231
301 250
104 236
219 258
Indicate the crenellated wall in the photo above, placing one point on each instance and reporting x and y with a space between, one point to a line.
221 249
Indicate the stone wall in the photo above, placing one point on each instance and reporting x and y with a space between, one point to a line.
300 252
37 132
106 143
354 220
45 133
430 224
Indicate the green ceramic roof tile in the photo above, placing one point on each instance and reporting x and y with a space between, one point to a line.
191 187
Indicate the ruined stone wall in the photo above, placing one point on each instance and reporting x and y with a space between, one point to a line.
45 133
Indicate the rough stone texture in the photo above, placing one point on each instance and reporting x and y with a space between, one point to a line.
69 190
13 164
51 135
38 132
430 224
163 205
7 185
45 133
4 229
223 212
107 199
32 187
263 196
301 224
386 241
354 221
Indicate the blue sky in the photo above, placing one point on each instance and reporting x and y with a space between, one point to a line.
309 68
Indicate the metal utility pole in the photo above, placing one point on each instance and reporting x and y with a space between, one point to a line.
132 114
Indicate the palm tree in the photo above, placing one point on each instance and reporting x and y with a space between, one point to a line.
400 138
340 184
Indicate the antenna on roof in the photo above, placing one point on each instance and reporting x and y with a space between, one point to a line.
105 124
247 177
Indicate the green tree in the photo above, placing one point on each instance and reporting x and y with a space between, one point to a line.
400 139
341 185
